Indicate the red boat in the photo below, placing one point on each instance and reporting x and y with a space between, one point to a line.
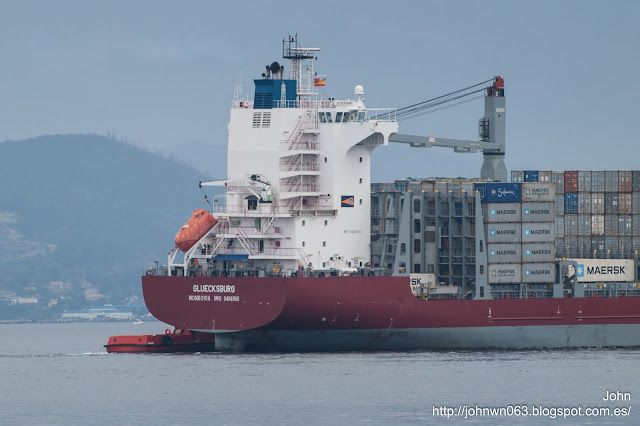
176 341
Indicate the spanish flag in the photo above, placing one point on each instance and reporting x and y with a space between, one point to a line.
319 81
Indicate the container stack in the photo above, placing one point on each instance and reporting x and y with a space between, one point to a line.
519 230
597 213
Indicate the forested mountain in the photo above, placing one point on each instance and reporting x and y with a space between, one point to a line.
90 209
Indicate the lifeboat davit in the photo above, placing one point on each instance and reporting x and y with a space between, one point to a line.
200 223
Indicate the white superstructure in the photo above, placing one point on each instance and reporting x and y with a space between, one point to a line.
298 192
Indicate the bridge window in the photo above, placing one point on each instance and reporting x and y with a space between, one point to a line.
416 268
416 225
403 248
361 116
345 117
329 117
338 117
416 245
323 119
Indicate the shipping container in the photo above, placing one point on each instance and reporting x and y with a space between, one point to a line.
539 272
560 249
626 247
503 233
625 203
559 227
538 252
611 181
635 203
597 181
501 212
635 181
571 246
510 273
584 181
504 253
624 226
611 225
597 246
605 270
530 175
517 176
559 204
538 232
538 192
635 245
571 181
624 181
427 186
571 225
571 203
584 225
611 200
611 245
597 224
544 176
443 187
584 203
499 192
584 246
597 203
557 178
538 212
635 225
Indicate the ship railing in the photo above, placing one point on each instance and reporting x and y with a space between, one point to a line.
264 208
302 272
299 145
313 211
305 167
300 188
382 114
305 104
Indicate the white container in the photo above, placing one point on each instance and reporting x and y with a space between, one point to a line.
536 191
538 253
500 273
538 232
504 253
502 212
604 270
538 272
537 212
503 232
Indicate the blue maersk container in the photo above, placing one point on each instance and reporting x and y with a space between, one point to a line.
530 175
571 203
499 192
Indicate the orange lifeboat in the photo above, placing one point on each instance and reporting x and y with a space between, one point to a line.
200 223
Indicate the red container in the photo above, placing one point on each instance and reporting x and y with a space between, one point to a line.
624 181
571 181
200 223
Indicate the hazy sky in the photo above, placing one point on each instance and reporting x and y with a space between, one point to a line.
162 73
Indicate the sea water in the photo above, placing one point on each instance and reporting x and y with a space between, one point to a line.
61 374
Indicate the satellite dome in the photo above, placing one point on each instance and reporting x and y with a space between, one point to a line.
359 90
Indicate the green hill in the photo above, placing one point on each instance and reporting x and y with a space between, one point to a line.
89 208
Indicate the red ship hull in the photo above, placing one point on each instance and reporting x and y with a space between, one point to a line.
380 313
162 343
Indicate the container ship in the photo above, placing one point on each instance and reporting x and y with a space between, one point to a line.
302 252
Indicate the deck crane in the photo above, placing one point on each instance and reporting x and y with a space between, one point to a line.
491 133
